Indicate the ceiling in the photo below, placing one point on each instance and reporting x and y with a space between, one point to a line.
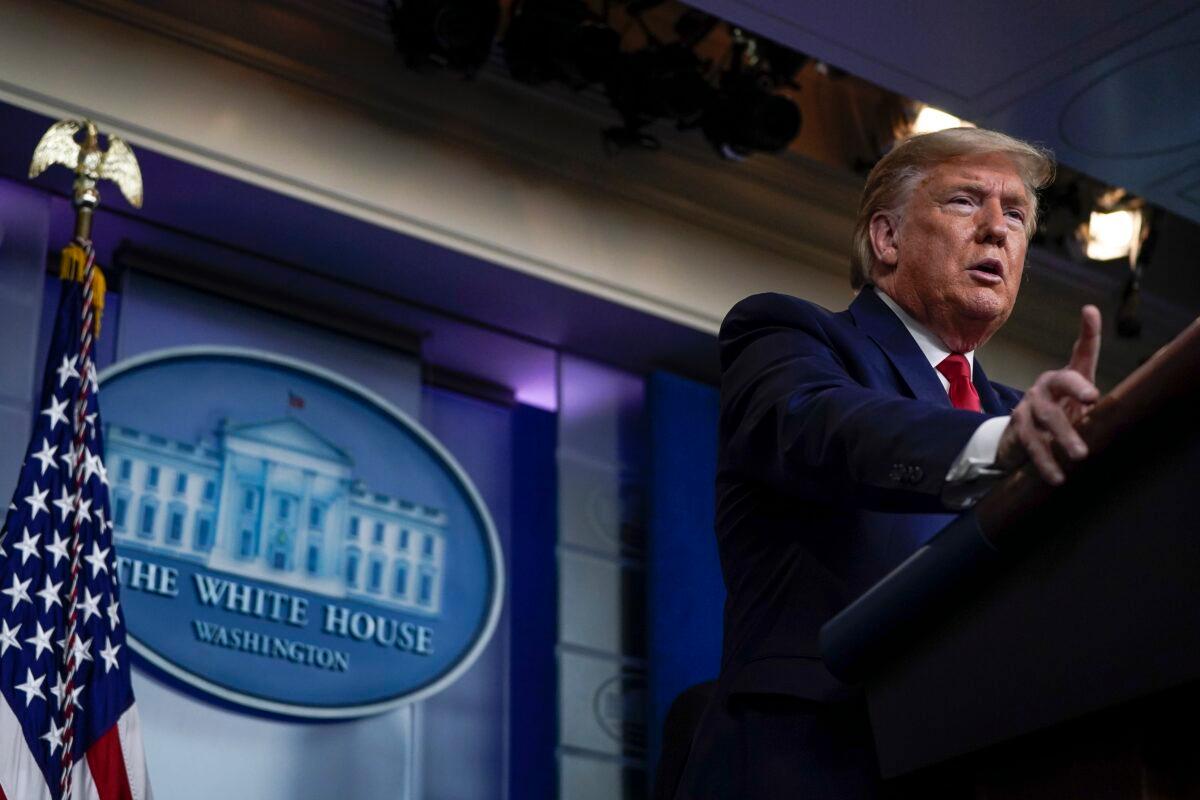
1107 85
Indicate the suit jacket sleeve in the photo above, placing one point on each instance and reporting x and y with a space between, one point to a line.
802 414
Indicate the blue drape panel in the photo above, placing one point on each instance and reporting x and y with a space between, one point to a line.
685 593
533 607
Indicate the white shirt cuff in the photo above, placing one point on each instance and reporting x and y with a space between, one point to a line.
975 462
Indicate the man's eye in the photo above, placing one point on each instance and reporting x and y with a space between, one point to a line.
1016 214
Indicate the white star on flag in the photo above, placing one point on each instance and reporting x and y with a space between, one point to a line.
102 470
109 654
98 559
66 371
84 511
113 607
46 455
28 546
57 548
8 636
41 640
37 502
53 736
82 651
59 686
65 503
32 687
68 456
90 605
89 465
18 591
50 593
56 412
76 692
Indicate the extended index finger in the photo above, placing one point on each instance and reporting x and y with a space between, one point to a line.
1086 352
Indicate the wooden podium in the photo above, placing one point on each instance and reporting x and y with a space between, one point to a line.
1047 645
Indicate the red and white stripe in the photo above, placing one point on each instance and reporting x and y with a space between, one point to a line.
115 767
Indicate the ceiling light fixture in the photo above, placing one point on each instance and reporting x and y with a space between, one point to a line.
930 120
1112 234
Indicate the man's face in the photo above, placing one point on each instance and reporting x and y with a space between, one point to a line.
955 261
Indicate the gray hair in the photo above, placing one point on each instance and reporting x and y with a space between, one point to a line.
893 180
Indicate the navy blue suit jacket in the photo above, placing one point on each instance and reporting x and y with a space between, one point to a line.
835 439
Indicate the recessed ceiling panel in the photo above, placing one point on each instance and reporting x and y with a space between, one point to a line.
959 49
1149 106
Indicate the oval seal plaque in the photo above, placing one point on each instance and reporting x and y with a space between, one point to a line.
289 541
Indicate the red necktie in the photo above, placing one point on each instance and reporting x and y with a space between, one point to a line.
957 370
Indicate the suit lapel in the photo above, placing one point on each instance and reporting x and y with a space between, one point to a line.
987 395
888 332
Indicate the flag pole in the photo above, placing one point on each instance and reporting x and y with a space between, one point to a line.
78 263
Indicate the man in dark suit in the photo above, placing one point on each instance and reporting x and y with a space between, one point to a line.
847 439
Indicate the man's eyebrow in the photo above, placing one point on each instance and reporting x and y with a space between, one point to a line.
979 189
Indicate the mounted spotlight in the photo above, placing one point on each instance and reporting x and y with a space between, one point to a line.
747 115
660 82
560 40
1111 234
1117 227
452 33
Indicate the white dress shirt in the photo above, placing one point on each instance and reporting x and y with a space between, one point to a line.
976 459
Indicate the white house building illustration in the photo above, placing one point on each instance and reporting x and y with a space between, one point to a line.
278 502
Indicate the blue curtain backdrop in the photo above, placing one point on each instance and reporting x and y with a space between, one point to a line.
533 607
685 592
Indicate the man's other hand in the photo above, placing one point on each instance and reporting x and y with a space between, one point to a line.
1049 410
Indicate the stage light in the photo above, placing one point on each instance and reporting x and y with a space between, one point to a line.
930 120
1113 234
747 117
560 40
453 33
660 82
747 114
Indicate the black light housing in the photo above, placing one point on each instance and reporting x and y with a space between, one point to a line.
747 117
560 40
457 34
661 82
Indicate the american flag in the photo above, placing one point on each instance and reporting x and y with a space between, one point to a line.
49 718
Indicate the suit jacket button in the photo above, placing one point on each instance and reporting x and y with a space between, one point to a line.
915 474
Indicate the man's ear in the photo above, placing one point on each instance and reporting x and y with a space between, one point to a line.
884 230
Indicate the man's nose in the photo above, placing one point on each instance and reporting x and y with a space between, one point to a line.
993 227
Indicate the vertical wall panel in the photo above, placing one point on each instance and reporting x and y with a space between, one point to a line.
464 725
601 597
24 222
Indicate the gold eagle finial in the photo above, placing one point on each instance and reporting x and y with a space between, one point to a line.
88 161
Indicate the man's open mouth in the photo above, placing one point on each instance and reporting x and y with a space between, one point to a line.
989 270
